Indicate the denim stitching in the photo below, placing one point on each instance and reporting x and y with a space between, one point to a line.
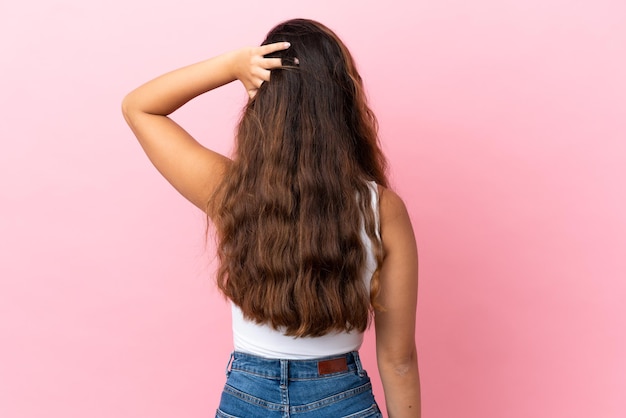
313 376
253 399
221 414
372 411
263 375
267 369
331 399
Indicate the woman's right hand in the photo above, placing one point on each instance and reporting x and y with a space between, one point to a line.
252 68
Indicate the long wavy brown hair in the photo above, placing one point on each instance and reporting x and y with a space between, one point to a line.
291 207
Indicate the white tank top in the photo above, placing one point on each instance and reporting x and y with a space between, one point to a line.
262 340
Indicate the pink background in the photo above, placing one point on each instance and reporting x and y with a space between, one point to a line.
505 126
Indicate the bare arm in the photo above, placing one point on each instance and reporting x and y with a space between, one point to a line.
395 327
192 169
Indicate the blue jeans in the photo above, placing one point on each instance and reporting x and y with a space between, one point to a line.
328 387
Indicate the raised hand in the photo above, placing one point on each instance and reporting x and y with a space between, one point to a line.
252 68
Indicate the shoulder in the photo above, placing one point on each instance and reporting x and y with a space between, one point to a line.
391 205
395 223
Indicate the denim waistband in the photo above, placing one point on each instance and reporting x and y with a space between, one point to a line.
286 369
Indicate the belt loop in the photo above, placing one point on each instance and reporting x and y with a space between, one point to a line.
284 373
230 362
357 361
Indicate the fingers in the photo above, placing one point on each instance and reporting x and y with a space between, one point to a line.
271 63
259 68
262 72
269 48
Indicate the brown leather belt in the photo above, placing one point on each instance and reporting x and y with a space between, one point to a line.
332 366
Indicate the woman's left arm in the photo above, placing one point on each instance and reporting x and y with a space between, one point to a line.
191 168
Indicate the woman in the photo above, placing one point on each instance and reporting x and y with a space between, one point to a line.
311 242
